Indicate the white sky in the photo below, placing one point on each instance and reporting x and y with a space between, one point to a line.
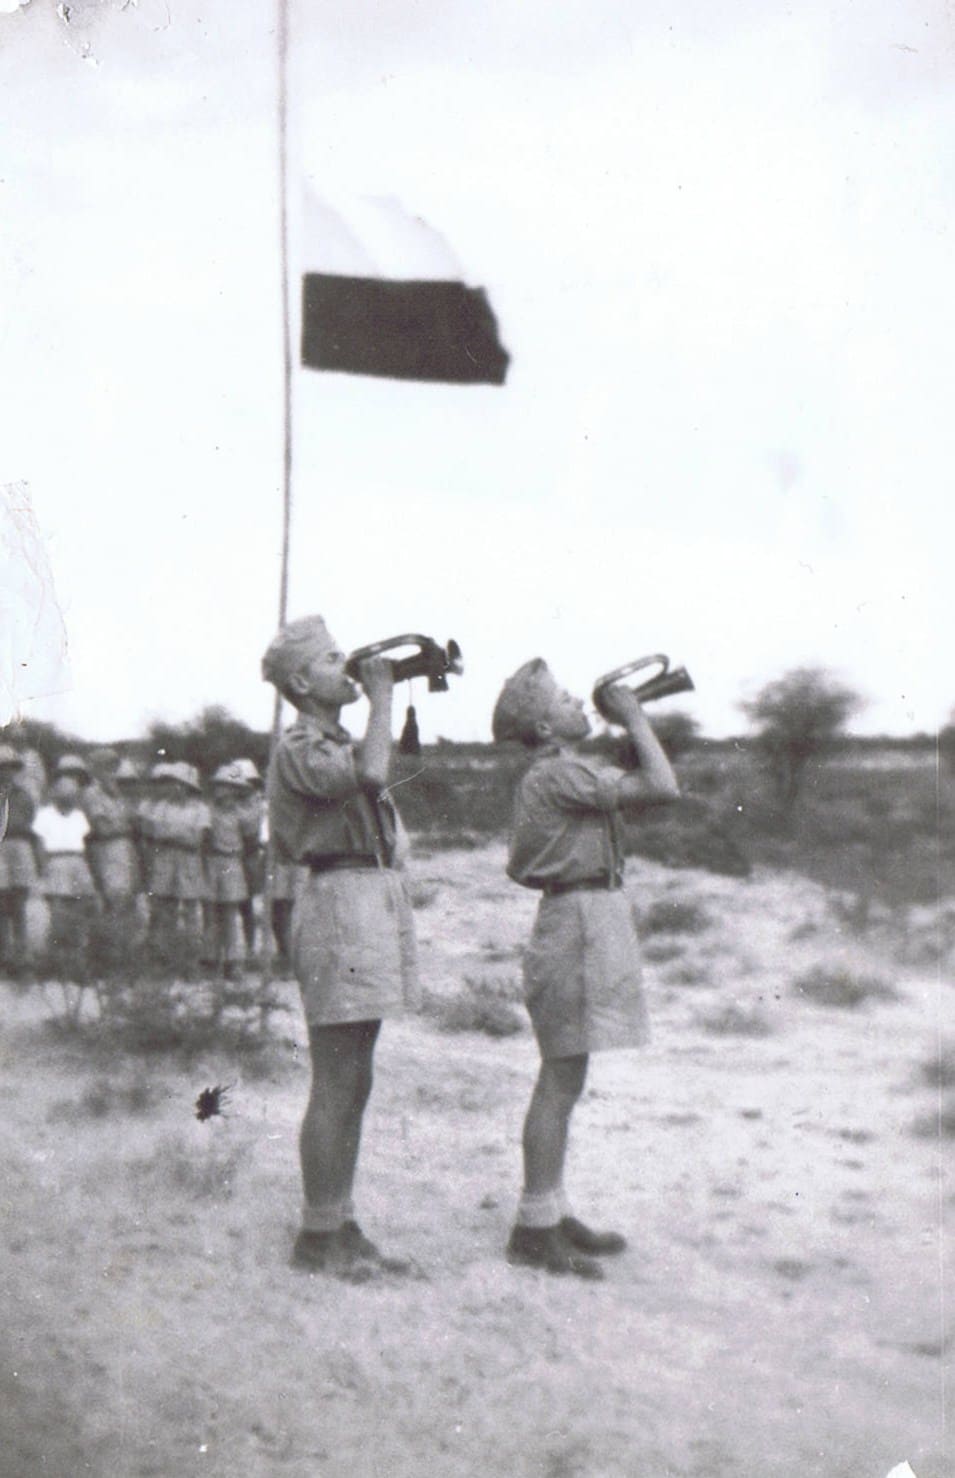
718 238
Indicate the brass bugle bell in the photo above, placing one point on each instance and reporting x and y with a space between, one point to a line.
668 680
430 660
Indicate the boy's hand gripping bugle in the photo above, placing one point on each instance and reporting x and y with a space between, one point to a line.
661 685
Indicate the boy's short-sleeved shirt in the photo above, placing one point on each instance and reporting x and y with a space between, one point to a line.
318 808
566 826
59 832
180 824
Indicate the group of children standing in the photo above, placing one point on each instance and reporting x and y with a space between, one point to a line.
130 858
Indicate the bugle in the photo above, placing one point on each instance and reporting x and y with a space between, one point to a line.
668 680
430 660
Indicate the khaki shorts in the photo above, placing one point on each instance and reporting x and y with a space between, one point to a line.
582 974
353 946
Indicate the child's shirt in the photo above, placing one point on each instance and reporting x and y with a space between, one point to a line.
566 826
234 831
61 833
176 824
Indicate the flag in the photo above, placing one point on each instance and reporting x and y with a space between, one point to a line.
389 299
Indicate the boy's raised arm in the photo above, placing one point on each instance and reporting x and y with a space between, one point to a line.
654 783
373 753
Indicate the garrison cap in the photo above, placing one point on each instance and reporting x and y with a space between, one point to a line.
522 701
289 649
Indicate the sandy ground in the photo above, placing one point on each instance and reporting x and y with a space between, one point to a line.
780 1310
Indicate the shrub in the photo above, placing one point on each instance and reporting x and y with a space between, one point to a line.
658 951
206 1173
674 916
734 1021
104 1097
483 1004
939 1071
687 975
841 987
940 1125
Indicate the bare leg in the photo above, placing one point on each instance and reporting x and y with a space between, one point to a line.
247 914
282 925
559 1086
331 1130
537 1238
229 935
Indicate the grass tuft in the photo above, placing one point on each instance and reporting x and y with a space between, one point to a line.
483 1004
679 916
841 987
939 1071
939 1125
734 1021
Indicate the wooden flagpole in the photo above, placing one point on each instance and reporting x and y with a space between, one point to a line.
282 45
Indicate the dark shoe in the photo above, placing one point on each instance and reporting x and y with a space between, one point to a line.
315 1251
585 1240
357 1252
544 1247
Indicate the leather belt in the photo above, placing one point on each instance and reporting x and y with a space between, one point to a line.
603 883
343 862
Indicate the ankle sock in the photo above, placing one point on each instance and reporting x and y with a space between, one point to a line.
322 1216
539 1211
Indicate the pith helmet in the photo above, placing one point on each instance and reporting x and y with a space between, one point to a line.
126 771
9 757
231 774
187 775
72 764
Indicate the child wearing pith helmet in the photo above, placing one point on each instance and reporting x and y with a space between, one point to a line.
582 976
233 837
174 828
18 871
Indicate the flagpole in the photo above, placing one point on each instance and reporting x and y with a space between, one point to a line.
282 45
283 87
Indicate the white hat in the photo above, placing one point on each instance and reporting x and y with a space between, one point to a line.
72 764
231 774
249 771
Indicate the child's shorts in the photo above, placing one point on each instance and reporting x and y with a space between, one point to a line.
353 946
225 879
582 974
68 876
17 867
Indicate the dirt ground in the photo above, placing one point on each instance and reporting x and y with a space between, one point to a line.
776 1163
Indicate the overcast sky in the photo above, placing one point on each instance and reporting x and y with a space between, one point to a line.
718 239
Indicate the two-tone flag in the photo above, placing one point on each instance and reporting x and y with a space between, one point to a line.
387 297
